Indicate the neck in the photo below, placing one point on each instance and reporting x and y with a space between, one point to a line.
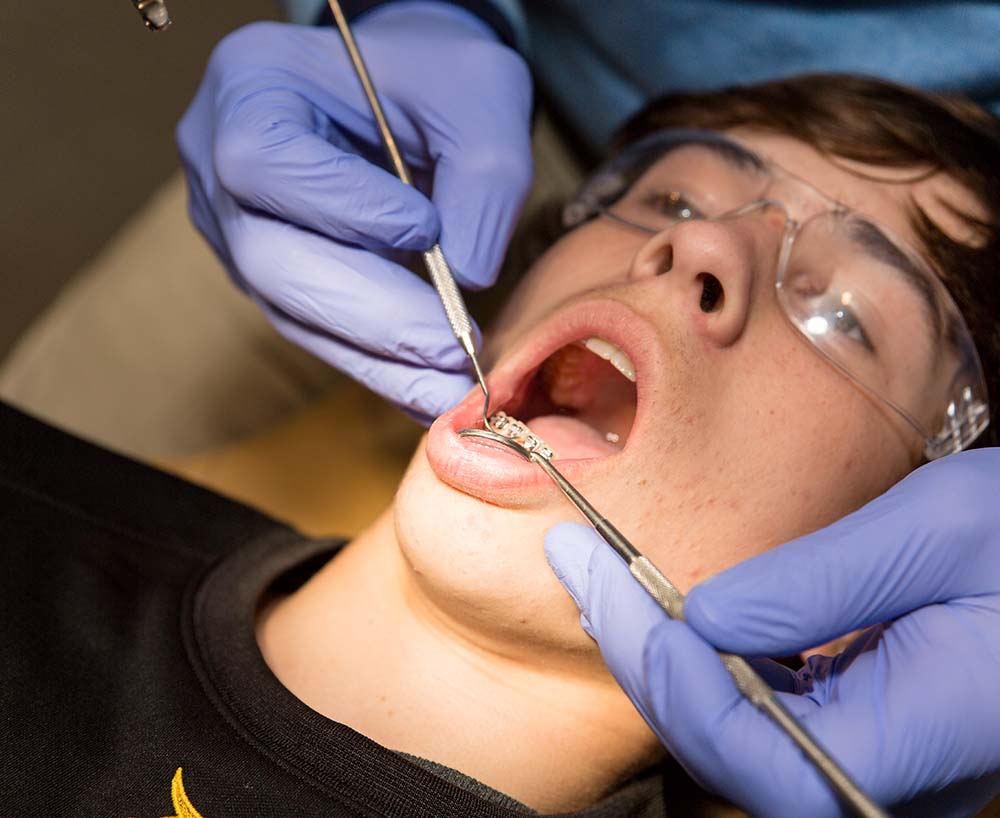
361 644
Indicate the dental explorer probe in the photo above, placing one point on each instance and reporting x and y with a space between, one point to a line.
154 14
671 600
434 260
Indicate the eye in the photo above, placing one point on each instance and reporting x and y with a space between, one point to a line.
831 315
846 323
673 205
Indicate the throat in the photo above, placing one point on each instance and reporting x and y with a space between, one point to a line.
581 404
362 644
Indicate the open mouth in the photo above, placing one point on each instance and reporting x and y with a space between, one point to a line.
576 382
580 402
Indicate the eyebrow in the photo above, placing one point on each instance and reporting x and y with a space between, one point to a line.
735 154
877 244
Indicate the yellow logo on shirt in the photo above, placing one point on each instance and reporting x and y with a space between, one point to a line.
183 808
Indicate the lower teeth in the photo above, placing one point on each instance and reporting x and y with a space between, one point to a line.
514 429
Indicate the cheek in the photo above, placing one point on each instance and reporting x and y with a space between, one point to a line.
781 445
823 445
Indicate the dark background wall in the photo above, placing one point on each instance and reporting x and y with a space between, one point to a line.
89 102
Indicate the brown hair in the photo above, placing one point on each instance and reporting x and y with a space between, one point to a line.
880 123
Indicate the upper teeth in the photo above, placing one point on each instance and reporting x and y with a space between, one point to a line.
613 355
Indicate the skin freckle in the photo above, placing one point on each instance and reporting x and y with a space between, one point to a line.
697 574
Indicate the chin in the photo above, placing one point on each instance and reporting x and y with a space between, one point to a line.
483 565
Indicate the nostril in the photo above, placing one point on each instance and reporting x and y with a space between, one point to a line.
711 293
666 262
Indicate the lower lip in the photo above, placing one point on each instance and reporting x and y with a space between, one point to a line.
487 470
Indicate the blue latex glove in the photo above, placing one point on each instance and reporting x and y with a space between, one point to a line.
277 148
911 709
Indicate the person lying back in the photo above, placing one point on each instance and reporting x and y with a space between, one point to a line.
765 311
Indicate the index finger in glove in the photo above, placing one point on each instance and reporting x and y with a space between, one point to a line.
614 609
342 291
273 153
677 681
933 537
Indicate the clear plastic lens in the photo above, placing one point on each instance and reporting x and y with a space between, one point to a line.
880 314
863 314
687 181
867 301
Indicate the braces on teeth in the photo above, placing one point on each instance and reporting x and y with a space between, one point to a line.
516 430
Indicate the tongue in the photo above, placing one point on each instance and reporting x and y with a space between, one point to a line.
594 399
570 438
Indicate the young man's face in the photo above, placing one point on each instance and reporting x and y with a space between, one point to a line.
735 437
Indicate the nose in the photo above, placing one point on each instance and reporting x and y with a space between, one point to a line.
708 269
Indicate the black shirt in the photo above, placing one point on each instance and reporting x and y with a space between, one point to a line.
128 654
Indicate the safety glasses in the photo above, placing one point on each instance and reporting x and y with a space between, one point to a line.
864 298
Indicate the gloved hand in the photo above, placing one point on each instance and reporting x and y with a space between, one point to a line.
280 151
911 709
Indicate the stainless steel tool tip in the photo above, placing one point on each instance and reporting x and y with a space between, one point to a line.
154 14
493 437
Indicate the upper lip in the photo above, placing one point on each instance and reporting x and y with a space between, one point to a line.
604 317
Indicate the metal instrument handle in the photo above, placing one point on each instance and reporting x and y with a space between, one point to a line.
437 266
760 694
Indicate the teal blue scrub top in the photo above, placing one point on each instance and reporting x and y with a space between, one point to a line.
596 62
